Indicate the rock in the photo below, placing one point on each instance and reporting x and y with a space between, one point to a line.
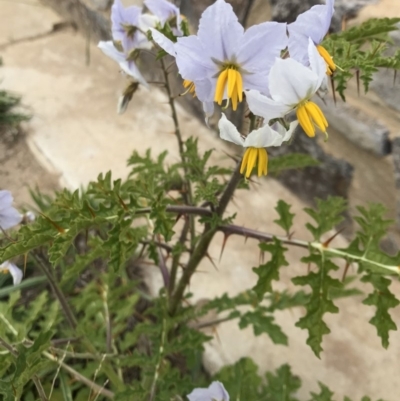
396 166
361 129
331 178
288 10
101 5
385 84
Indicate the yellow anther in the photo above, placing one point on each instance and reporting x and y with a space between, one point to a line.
331 66
309 116
189 86
305 121
253 156
230 80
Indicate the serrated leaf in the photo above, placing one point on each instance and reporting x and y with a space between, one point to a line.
263 323
320 301
285 216
282 385
327 215
241 380
324 395
383 300
269 271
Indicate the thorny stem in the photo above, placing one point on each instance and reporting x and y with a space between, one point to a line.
208 234
187 192
204 241
176 258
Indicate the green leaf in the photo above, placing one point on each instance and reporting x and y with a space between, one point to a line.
290 161
269 271
324 395
383 300
285 216
263 323
327 215
320 301
282 385
241 380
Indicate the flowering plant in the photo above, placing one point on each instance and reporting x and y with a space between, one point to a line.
100 335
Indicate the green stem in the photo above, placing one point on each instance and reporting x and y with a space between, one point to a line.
69 315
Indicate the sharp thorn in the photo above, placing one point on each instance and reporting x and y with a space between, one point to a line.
346 268
329 240
226 236
212 262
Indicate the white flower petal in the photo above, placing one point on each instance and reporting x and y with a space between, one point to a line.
220 31
215 392
265 107
147 21
162 41
290 82
109 50
228 131
317 64
286 134
15 272
263 137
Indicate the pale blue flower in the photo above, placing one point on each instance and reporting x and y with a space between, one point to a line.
9 216
16 273
222 60
129 26
166 12
313 24
125 60
291 87
215 392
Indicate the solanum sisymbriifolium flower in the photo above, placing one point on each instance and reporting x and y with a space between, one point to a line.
9 216
223 59
313 23
129 26
255 143
291 86
215 392
166 12
16 273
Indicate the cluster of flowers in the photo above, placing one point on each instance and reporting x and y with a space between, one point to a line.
277 67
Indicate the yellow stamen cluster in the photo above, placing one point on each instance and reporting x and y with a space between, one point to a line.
330 65
254 156
231 80
189 86
309 116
